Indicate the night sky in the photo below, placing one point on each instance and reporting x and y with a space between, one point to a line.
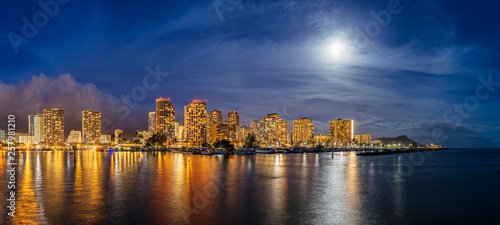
298 58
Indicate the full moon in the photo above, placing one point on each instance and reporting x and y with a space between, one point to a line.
337 49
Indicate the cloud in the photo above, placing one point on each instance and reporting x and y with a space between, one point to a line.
74 97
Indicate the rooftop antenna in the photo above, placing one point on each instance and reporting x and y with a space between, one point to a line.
37 108
310 112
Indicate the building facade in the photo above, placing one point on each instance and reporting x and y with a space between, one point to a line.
75 137
105 138
152 122
31 125
214 119
303 131
165 118
39 129
362 139
91 127
54 126
118 136
233 119
342 132
273 131
195 117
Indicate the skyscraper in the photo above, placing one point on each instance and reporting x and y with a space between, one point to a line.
233 119
54 126
118 136
214 119
195 116
31 124
152 122
39 129
91 127
342 131
165 118
303 131
275 130
2 135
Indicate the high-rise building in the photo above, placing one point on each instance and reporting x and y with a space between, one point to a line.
233 119
181 133
54 126
31 125
223 132
39 129
303 131
259 130
165 118
2 135
275 130
152 122
118 136
214 119
91 127
242 134
195 117
75 137
342 131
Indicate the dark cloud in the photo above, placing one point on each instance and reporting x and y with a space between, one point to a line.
64 92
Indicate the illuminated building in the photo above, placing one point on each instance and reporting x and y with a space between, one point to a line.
303 131
181 134
259 131
214 119
38 129
322 139
2 135
143 136
233 119
106 138
152 122
31 123
195 117
362 139
118 139
342 131
75 137
242 134
165 118
275 130
226 132
26 139
54 126
91 127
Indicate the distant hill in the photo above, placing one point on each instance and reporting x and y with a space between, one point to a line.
403 140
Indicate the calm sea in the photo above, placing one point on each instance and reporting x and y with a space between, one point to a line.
442 187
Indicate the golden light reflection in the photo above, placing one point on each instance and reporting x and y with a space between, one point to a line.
27 206
352 187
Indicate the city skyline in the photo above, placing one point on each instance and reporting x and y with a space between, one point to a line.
290 57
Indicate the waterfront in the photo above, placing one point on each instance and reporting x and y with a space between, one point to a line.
454 186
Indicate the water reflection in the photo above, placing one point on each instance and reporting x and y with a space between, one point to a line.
158 188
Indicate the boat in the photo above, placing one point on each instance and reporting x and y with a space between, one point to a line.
265 151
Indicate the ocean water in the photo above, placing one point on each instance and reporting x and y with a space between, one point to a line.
441 187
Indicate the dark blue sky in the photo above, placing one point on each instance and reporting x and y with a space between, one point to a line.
260 57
